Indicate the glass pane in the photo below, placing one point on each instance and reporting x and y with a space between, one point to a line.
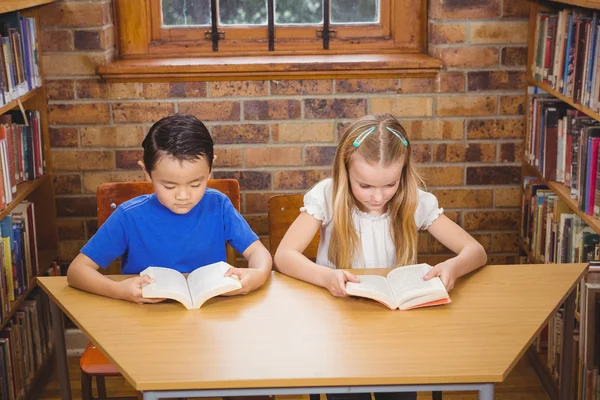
243 12
298 12
185 12
354 11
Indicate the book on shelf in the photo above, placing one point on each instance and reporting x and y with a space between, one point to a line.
402 288
192 291
565 55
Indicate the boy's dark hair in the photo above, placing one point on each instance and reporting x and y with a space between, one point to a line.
181 136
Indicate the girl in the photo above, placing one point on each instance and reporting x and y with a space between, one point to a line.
370 212
182 225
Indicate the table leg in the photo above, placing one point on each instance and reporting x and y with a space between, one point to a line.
486 392
61 351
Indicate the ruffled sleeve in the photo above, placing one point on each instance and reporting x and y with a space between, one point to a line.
427 210
317 202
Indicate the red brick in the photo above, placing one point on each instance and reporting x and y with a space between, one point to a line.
65 64
60 89
299 179
67 183
447 33
301 87
303 132
516 8
421 152
238 88
495 129
360 86
464 9
514 56
96 89
64 137
213 110
258 202
464 198
75 14
319 155
261 110
507 197
162 90
403 106
466 105
272 156
512 104
434 129
496 220
498 32
418 85
91 180
72 160
68 250
86 113
249 180
128 159
496 80
227 157
511 152
87 40
468 56
501 259
334 108
76 206
442 176
452 81
112 136
71 229
504 242
459 152
238 134
57 40
496 175
141 112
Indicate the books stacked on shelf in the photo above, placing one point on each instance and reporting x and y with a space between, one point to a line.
563 144
19 259
26 342
565 52
21 151
19 56
551 231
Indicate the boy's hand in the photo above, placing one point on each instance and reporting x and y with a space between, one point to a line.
131 290
336 279
445 270
250 278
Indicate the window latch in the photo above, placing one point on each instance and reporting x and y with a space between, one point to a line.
332 33
208 35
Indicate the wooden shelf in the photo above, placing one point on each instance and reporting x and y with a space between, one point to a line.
580 3
564 193
16 5
22 99
540 367
530 257
24 189
46 258
550 90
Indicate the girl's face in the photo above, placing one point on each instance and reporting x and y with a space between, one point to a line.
179 185
373 185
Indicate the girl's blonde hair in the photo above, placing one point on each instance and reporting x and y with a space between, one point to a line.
380 147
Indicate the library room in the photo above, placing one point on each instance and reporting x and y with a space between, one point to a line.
437 162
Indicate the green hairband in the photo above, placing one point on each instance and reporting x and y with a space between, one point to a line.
361 138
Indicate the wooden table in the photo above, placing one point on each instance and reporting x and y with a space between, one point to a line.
290 337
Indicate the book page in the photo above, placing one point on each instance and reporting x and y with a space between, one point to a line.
373 287
209 281
168 284
407 283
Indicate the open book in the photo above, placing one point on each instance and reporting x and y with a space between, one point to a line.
402 288
202 284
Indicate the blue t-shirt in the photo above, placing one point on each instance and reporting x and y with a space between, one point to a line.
146 233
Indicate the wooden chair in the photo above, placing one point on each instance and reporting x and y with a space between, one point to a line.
283 210
108 196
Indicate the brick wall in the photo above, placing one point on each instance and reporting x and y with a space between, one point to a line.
279 136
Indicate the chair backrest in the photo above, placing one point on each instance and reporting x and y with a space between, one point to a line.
283 210
109 195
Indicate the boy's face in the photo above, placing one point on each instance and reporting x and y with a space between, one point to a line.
179 185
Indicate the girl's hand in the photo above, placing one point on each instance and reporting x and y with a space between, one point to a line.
251 279
336 279
131 290
445 270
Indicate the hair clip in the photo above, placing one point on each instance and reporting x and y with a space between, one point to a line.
399 135
361 138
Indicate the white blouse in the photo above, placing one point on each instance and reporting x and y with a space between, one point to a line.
374 231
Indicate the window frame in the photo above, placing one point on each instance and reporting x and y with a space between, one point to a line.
144 57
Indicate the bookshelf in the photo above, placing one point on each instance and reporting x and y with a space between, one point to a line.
548 75
39 192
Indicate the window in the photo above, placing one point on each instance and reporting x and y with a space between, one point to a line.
292 25
258 39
